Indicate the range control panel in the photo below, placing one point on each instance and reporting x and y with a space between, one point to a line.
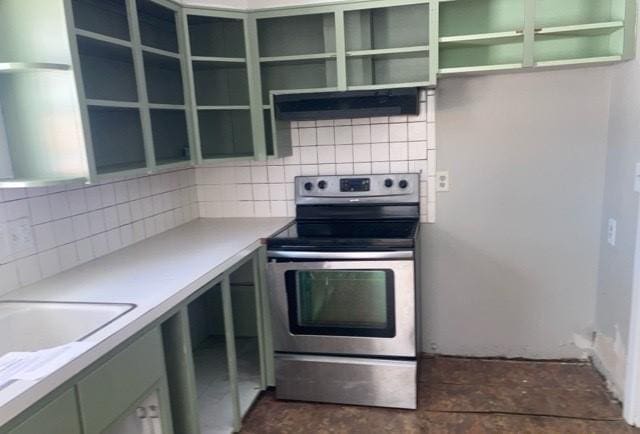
390 188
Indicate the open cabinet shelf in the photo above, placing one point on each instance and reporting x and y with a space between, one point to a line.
388 69
107 70
164 79
225 133
116 134
157 26
170 136
104 17
314 35
298 74
216 37
220 83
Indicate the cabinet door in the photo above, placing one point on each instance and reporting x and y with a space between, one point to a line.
118 385
59 417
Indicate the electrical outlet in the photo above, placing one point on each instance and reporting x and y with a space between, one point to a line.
21 236
442 181
636 185
612 229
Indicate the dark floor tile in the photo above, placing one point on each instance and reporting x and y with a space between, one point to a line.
592 404
453 370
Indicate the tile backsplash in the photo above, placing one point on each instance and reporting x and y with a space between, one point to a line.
74 224
341 147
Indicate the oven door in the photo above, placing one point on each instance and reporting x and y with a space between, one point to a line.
343 306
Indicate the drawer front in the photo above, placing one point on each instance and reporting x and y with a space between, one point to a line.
109 391
59 417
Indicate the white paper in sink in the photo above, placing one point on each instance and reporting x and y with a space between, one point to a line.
33 366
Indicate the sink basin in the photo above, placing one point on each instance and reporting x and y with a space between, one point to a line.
32 326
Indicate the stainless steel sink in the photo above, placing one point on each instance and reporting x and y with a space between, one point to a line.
32 326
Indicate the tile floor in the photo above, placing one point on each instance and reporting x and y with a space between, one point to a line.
458 395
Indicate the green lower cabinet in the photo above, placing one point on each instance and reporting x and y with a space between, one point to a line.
112 392
60 416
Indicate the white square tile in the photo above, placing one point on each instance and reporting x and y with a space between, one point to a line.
144 185
39 209
245 192
259 174
309 155
417 131
96 222
380 167
306 124
295 137
379 133
108 194
326 169
325 136
275 173
138 231
344 169
294 158
68 256
396 119
92 195
59 206
431 109
124 214
28 270
326 154
278 208
81 227
361 121
361 134
260 191
44 236
290 190
136 210
262 209
111 216
308 137
431 163
362 168
99 245
290 172
114 241
63 230
380 152
126 234
431 212
398 132
361 153
85 251
324 123
242 175
245 209
122 191
398 151
49 263
417 150
309 170
133 189
379 120
344 153
341 122
431 136
343 135
277 192
419 166
431 188
398 167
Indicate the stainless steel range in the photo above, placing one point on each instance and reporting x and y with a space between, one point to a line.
343 291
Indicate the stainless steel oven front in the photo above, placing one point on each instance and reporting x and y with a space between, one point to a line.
343 303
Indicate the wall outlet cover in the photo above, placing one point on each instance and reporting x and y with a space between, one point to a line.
442 181
612 229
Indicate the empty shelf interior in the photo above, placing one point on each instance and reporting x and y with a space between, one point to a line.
107 70
225 133
468 17
157 26
221 83
389 27
464 56
550 13
302 34
216 37
388 69
170 136
304 74
164 79
116 134
106 17
549 47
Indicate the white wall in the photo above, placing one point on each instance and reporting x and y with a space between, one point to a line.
621 203
510 267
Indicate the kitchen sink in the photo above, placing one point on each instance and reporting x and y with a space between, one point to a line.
32 326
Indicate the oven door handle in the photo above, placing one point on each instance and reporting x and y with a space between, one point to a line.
291 254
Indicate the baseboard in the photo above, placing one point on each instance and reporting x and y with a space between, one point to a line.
609 358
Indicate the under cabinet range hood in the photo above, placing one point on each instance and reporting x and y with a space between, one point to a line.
344 105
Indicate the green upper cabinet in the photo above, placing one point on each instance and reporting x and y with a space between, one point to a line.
487 35
131 86
582 31
388 46
220 72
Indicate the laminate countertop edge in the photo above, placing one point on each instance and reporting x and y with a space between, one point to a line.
156 274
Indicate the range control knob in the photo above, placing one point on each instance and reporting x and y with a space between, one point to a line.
403 184
322 185
388 182
308 186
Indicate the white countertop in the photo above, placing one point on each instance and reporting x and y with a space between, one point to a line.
156 275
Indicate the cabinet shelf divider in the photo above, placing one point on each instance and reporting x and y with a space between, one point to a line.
99 37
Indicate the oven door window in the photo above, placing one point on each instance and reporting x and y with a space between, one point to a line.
341 302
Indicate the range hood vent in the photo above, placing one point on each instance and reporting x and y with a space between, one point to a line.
344 105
